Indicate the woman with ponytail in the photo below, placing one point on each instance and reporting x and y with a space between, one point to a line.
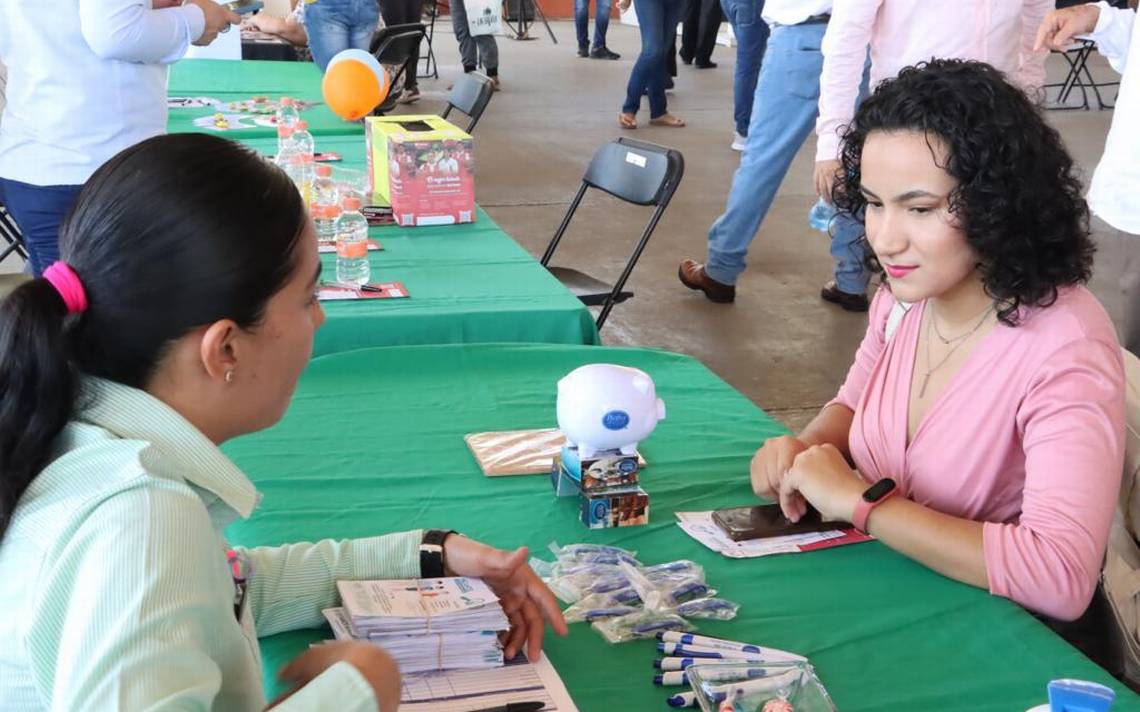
169 326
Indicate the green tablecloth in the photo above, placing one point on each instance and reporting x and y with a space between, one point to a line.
373 443
301 80
230 81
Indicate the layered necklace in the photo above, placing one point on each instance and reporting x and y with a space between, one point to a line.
957 341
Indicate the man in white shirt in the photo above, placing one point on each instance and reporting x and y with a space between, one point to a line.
86 79
1114 195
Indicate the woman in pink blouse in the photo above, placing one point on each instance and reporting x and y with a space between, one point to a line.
995 401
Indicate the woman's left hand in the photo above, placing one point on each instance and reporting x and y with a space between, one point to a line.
525 598
821 476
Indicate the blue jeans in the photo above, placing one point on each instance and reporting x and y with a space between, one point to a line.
601 21
337 25
784 111
38 212
657 20
751 40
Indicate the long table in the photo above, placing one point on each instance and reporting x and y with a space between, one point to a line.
373 442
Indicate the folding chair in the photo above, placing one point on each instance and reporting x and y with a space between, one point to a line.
393 45
636 172
431 66
11 235
1079 76
470 95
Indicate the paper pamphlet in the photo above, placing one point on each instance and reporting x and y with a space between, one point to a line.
414 598
700 526
517 452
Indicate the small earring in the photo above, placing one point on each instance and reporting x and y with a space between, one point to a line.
229 376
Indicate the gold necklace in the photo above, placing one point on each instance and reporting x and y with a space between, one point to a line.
932 369
938 332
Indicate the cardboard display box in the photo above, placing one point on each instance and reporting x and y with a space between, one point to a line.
423 166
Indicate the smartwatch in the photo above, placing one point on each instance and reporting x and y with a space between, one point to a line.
431 552
874 495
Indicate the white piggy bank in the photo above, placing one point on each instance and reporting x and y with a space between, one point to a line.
606 407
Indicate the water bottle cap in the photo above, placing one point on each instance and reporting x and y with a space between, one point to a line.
286 101
324 170
352 203
302 125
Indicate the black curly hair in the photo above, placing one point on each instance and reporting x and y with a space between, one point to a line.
1017 197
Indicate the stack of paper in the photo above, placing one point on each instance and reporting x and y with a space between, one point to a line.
425 624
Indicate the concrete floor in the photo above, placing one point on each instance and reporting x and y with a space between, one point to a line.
778 344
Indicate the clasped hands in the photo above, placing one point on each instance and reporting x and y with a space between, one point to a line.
797 474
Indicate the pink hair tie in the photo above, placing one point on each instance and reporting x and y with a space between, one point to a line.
67 283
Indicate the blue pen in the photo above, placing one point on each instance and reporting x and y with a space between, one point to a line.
766 655
678 649
674 663
707 642
683 699
671 678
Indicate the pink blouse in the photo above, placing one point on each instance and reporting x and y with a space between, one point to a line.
1027 437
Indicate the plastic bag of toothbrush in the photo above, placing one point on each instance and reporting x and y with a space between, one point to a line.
639 625
771 687
592 554
665 592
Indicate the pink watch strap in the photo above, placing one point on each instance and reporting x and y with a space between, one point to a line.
863 509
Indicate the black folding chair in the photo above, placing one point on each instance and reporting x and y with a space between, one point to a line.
11 235
431 66
1079 76
470 95
393 45
636 172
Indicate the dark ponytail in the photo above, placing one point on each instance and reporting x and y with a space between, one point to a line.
171 234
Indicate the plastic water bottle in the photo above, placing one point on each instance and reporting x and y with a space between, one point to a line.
303 148
352 266
821 214
325 207
303 141
287 116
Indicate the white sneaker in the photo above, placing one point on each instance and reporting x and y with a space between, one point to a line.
738 141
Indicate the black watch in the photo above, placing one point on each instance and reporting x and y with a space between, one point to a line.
431 552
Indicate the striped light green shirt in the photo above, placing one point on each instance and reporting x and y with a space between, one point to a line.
115 586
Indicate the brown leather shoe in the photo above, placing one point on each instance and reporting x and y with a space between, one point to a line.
850 302
692 275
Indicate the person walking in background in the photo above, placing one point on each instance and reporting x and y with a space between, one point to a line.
85 81
782 115
601 24
1114 195
475 49
336 25
655 19
751 32
402 12
700 25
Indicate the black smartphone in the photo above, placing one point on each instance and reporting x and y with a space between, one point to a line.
767 520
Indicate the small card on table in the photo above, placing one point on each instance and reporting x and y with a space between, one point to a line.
384 290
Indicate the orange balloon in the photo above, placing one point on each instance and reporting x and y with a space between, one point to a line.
352 89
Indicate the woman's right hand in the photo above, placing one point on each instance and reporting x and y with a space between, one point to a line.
377 667
769 465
